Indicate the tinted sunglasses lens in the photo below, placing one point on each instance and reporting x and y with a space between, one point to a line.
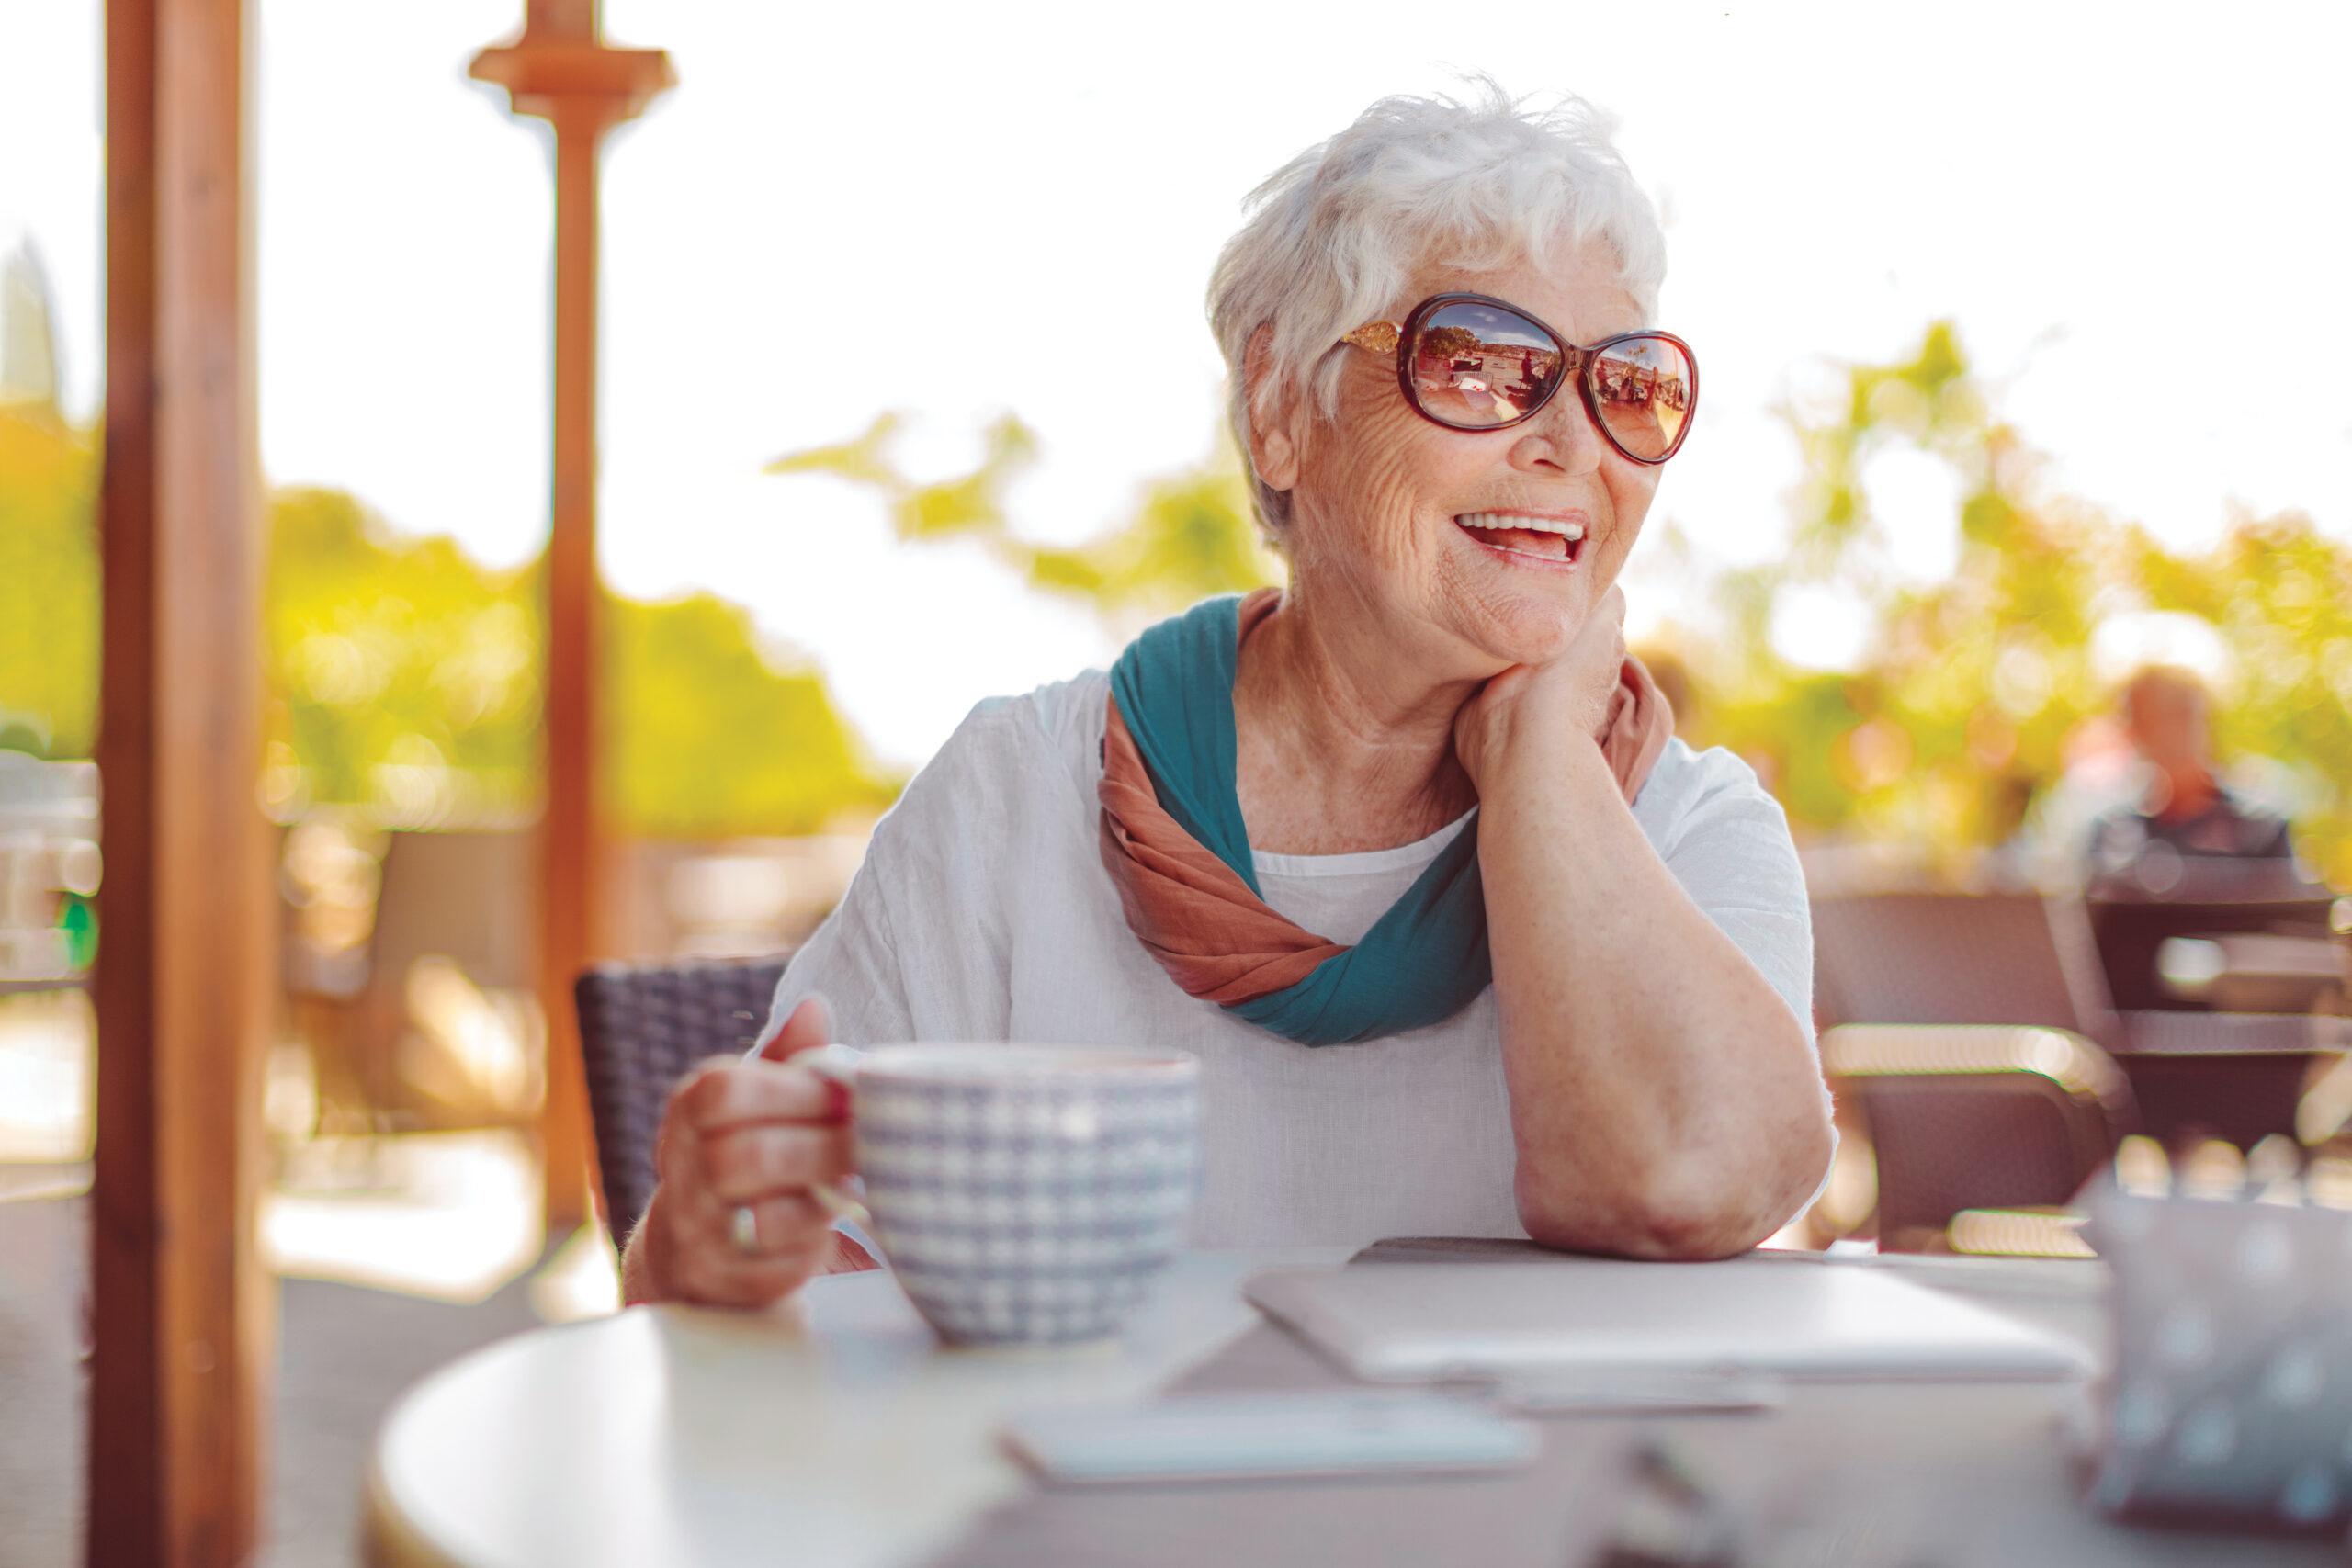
1641 389
1476 367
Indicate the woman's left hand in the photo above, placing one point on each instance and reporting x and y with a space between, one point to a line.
1534 711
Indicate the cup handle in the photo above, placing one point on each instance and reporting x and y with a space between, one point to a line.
837 1063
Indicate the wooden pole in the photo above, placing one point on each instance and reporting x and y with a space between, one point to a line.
571 847
560 72
184 1312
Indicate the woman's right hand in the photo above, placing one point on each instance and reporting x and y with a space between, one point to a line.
1533 712
751 1134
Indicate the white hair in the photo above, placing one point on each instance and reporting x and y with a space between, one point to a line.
1339 233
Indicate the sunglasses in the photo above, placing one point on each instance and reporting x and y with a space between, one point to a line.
1472 362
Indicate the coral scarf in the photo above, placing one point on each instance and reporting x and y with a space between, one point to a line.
1174 843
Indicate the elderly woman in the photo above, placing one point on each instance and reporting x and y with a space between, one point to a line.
1467 943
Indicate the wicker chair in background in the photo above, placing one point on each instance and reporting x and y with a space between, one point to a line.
1976 1117
642 1027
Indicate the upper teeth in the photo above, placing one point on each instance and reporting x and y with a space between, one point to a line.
1516 520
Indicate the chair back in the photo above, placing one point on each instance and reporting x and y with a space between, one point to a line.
461 895
2239 1077
642 1027
1921 957
2132 933
1969 1117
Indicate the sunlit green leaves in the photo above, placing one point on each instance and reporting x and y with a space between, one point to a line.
404 679
864 458
1973 685
1189 535
706 735
49 582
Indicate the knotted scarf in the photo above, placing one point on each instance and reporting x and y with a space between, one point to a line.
1174 843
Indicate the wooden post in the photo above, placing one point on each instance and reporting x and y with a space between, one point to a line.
572 850
185 1313
560 72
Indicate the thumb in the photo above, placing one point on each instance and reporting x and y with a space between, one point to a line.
811 1025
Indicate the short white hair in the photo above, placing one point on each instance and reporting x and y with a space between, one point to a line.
1337 235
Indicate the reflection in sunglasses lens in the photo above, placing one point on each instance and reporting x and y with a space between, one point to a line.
1641 391
1477 366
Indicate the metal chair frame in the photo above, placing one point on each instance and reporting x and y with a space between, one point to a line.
1966 1116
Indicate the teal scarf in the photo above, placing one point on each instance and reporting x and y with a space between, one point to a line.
1421 962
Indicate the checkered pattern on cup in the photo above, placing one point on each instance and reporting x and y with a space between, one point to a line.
1027 1194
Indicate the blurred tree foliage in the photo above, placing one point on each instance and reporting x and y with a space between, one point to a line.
401 674
49 582
1189 537
404 678
1970 688
710 734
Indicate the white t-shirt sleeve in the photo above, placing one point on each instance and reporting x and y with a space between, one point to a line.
1733 855
916 948
853 961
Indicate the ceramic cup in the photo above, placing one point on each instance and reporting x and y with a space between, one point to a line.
1024 1194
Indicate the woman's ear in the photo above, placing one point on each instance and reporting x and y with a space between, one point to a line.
1273 443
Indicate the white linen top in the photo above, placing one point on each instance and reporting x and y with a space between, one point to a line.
983 912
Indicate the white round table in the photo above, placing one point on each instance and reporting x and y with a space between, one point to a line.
682 1437
836 1430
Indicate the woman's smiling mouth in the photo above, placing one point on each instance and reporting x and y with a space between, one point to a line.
1536 538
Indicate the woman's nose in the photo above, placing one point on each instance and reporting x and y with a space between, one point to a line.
1560 439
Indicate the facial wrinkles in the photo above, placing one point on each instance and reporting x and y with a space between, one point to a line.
1379 487
1356 547
1356 499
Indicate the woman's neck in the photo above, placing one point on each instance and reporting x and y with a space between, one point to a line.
1342 744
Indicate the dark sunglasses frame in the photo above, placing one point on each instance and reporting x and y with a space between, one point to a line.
1575 360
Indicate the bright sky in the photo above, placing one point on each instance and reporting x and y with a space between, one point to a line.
2108 199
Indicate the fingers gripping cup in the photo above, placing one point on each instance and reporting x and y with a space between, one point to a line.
1024 1194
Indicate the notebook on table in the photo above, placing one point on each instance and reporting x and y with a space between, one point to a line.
1744 1315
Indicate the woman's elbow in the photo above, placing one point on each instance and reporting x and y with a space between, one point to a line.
1659 1228
1690 1212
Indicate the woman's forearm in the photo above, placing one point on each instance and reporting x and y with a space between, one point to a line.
1665 1100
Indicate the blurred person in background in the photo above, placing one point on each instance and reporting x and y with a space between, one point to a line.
1406 852
2181 811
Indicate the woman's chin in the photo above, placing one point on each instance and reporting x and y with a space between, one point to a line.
1531 628
1507 645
